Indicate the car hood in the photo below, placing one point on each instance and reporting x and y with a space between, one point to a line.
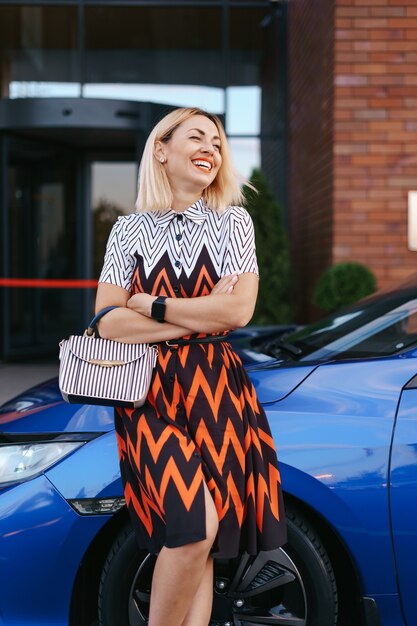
41 409
275 383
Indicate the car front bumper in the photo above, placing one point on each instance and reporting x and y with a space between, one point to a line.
43 541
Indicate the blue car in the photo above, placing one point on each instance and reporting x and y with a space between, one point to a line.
341 398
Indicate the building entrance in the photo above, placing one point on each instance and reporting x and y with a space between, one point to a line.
64 187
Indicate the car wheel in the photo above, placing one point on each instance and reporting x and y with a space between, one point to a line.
313 563
290 586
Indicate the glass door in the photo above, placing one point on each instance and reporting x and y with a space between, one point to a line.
113 193
42 248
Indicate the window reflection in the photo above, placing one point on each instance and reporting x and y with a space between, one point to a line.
244 90
243 112
173 55
246 154
114 183
113 193
210 98
33 89
379 325
147 44
38 51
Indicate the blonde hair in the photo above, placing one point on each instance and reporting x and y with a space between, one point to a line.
154 191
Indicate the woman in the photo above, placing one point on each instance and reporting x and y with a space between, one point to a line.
197 461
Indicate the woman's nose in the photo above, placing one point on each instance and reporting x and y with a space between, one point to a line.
208 148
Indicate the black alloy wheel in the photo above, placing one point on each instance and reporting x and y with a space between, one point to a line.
290 586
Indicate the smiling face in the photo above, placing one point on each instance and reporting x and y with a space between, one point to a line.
192 155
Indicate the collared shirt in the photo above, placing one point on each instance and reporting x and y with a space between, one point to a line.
185 241
197 213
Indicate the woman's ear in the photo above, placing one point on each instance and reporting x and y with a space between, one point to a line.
159 152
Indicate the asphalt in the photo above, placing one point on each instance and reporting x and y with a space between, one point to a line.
17 377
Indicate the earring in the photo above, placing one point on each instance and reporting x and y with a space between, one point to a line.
162 160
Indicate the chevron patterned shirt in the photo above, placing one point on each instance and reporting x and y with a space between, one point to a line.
188 240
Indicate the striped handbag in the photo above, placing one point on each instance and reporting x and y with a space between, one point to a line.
93 370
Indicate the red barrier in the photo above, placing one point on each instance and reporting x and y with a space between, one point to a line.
49 283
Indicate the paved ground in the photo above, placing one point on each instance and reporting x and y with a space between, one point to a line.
16 377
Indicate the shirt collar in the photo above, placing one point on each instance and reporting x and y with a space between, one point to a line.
197 213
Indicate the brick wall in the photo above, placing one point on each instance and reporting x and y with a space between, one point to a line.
352 137
310 140
375 134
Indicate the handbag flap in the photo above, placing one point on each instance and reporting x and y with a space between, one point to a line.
105 351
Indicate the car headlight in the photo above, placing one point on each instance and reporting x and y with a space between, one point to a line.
22 461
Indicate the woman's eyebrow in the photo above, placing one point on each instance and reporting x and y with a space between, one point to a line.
203 133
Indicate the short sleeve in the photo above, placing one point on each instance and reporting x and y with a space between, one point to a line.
240 255
118 262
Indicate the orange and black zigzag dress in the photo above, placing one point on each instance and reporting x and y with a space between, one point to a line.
202 420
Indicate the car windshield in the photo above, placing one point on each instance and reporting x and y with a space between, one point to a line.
381 325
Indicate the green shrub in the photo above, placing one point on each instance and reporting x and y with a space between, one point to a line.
343 284
272 248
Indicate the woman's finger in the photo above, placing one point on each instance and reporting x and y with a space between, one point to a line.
224 283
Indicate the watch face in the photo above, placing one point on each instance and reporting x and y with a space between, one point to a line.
158 310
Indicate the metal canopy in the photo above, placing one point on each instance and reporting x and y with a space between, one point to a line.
22 113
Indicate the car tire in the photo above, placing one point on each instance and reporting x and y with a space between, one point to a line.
309 554
310 599
119 571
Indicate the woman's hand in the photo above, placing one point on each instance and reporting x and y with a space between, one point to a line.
141 303
225 284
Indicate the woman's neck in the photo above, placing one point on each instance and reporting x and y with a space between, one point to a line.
182 200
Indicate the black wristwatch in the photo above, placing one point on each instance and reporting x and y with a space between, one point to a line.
158 309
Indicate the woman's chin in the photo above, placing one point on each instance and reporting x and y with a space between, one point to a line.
197 184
